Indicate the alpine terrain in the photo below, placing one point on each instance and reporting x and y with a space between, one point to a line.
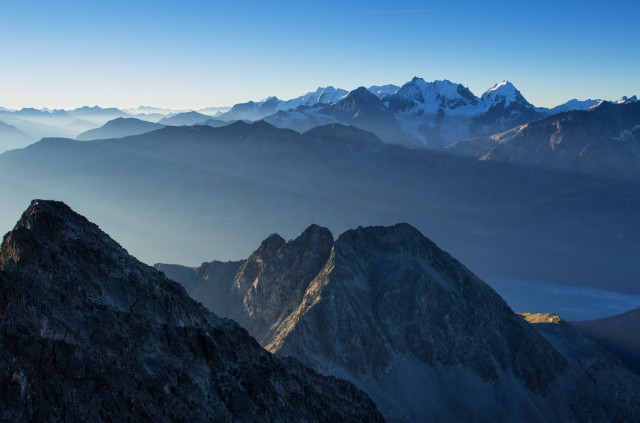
387 309
88 333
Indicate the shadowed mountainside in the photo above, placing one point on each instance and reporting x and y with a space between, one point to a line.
189 193
89 333
387 309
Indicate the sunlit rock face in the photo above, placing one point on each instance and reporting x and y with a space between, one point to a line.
88 333
389 310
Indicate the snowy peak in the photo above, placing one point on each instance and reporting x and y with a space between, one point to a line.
323 95
503 93
382 91
573 104
430 96
625 100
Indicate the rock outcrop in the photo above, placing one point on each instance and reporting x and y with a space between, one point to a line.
88 333
387 309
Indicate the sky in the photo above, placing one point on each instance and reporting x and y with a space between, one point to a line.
192 54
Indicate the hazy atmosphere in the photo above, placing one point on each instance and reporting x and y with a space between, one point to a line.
337 211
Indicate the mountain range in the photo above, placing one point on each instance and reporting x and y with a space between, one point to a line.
213 191
384 307
417 114
88 333
617 334
118 128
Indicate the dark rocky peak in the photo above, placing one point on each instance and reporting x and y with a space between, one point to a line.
269 247
466 93
48 231
88 333
358 100
279 277
394 313
314 234
397 245
52 239
251 268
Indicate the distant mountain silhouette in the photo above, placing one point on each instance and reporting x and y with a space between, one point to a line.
186 118
11 137
618 334
604 140
118 128
216 192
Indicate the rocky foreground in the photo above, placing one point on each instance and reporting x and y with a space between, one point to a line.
428 340
88 333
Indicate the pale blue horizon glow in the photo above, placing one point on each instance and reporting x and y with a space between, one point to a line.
195 54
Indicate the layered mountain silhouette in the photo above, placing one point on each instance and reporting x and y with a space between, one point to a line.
421 334
219 191
601 141
418 114
11 137
88 333
118 128
186 118
618 334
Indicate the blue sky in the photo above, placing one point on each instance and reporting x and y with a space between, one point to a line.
193 54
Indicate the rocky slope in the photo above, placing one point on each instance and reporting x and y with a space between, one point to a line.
593 373
604 140
428 340
617 334
87 333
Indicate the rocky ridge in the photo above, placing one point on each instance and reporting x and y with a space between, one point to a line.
89 333
386 308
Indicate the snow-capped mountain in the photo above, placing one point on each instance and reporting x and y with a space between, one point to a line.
573 104
625 99
601 141
419 113
419 97
255 110
323 95
383 90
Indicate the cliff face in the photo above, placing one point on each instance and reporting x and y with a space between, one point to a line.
389 310
89 333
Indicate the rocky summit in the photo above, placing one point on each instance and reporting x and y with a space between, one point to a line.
428 340
88 333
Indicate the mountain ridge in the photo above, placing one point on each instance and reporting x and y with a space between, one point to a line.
88 332
380 304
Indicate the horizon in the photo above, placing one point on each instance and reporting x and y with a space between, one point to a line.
198 54
187 109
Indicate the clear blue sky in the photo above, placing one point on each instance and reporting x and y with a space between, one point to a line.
192 53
